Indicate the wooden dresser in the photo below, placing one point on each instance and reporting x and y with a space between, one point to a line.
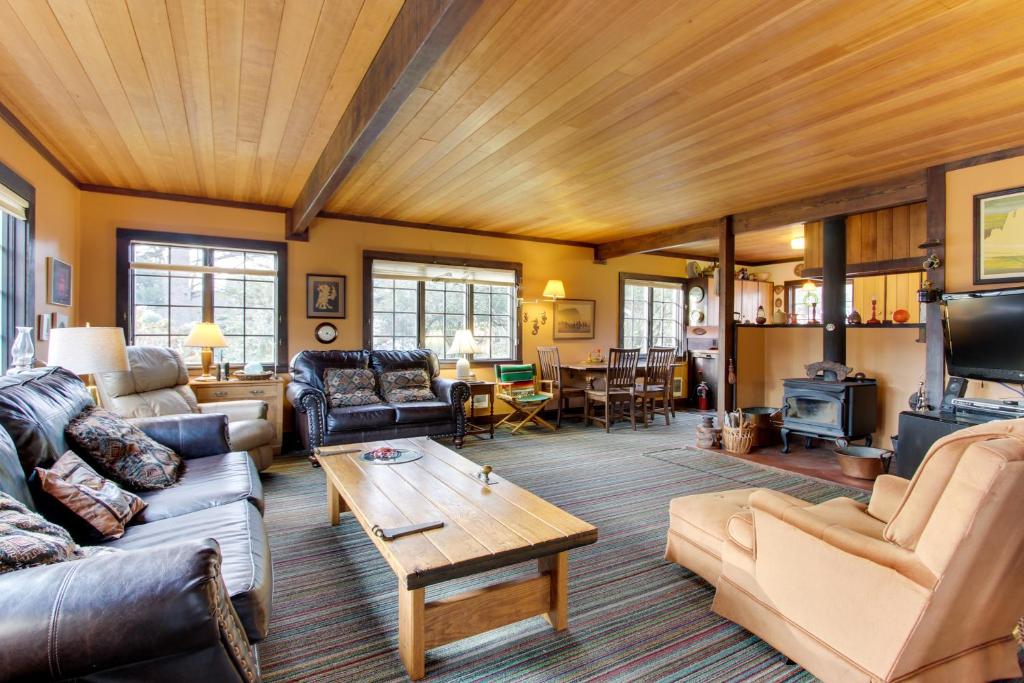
269 390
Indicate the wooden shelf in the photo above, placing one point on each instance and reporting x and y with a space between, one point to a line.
862 326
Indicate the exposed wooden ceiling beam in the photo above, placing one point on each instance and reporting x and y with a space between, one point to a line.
656 241
905 189
420 34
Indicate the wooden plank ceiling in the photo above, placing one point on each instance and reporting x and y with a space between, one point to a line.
230 99
585 120
764 246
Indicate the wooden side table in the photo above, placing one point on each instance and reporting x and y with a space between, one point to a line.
269 390
480 388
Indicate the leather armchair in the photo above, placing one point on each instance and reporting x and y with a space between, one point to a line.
159 614
922 584
320 425
157 385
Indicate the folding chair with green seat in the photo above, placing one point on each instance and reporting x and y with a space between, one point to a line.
519 388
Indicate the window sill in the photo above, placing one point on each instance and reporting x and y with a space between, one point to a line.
481 363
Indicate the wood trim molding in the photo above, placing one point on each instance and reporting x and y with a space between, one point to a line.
451 228
420 34
980 159
902 265
190 199
656 241
35 143
726 306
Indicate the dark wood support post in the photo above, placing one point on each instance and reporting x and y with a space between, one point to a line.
935 359
833 295
726 305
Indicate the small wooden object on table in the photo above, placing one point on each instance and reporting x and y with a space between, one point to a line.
270 390
485 526
480 388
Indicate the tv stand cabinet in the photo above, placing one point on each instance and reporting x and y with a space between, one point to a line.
919 430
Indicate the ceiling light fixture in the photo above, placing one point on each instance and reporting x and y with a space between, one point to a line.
797 243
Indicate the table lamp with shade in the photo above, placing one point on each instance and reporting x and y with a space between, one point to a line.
463 344
88 351
208 337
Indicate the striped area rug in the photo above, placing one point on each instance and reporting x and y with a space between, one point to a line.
633 616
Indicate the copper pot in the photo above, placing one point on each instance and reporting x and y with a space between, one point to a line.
863 462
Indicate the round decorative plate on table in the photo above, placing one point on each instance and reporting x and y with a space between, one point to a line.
391 456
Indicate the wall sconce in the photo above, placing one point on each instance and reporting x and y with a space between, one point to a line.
554 290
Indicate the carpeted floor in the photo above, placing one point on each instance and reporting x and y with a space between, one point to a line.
633 616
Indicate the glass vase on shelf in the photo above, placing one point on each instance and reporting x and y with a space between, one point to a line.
23 351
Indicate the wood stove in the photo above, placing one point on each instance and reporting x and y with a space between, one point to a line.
842 410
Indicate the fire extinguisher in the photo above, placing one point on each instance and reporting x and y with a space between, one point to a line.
703 394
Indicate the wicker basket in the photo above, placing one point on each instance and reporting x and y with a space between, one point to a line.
738 439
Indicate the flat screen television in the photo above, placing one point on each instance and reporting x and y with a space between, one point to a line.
985 334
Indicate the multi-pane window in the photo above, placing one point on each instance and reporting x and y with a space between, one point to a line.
806 301
17 305
652 314
423 305
174 286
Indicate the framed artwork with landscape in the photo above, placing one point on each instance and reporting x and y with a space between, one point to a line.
999 236
325 296
574 319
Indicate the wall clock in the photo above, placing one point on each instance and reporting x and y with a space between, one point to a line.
326 333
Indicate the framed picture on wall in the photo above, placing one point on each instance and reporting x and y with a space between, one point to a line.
999 236
325 296
574 319
59 320
58 282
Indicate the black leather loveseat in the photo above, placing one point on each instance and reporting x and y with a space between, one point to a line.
190 592
320 425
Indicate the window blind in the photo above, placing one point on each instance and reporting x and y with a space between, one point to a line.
430 272
12 203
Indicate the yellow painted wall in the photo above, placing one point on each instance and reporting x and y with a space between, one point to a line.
56 220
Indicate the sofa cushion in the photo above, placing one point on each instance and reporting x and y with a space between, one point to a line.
12 478
100 503
350 387
205 483
308 367
28 539
423 411
385 361
249 434
245 566
156 384
353 418
402 386
122 451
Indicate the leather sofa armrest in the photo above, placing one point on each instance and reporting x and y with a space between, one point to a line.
191 435
886 496
310 406
454 392
248 409
73 619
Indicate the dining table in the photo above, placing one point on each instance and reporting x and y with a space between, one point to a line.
591 372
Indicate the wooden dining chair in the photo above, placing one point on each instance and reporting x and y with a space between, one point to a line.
619 388
551 372
656 384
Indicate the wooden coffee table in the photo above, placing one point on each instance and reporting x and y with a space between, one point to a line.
485 527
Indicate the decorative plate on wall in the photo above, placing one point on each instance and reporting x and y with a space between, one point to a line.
798 270
778 302
778 289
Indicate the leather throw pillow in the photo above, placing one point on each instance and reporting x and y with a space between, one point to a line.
122 451
27 539
99 502
404 386
350 387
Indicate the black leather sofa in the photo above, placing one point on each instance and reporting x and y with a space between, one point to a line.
320 425
187 598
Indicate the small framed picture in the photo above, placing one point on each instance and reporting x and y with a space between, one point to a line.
574 319
58 282
999 236
58 320
325 296
43 326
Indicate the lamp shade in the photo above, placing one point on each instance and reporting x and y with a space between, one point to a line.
206 335
463 343
554 289
88 350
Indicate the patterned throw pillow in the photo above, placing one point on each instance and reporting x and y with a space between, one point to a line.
350 387
27 539
101 503
404 386
122 451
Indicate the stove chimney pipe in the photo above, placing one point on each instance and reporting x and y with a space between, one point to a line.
833 296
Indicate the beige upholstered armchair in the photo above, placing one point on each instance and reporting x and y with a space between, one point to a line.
924 583
157 384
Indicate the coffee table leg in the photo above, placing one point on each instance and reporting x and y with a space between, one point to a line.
411 642
335 504
557 566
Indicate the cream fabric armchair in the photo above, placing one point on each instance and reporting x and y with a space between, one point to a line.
157 384
925 583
